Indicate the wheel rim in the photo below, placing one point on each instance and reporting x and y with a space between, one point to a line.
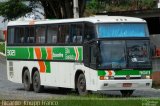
36 81
26 80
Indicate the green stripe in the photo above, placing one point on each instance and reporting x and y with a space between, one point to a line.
80 50
126 72
31 53
132 72
59 53
48 67
44 53
101 73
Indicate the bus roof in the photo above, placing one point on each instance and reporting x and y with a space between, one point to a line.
93 19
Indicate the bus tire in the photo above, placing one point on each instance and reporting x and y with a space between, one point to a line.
126 93
27 81
81 85
37 87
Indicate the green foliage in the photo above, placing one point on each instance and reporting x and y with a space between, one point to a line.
13 9
146 4
94 6
99 6
2 47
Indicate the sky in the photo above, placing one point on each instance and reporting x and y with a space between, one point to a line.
2 24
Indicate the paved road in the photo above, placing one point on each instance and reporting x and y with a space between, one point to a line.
10 90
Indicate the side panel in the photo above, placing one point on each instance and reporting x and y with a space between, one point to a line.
62 74
55 64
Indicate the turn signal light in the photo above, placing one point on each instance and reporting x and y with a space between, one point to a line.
103 78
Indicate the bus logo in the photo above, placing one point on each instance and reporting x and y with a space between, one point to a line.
127 77
11 53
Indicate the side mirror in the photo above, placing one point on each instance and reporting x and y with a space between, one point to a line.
153 50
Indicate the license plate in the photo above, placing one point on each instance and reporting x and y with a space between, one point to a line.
127 84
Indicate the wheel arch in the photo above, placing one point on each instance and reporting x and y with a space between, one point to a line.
78 72
23 70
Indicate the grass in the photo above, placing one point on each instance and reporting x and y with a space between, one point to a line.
104 100
99 103
2 47
73 99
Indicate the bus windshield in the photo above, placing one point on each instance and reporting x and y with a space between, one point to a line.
124 54
138 53
107 30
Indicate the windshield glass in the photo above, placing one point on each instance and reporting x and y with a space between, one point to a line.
107 30
116 54
112 54
138 53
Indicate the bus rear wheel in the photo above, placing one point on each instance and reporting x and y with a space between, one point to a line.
37 87
27 81
81 85
126 93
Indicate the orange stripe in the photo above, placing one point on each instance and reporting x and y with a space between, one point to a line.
77 53
38 53
75 49
49 53
41 63
42 66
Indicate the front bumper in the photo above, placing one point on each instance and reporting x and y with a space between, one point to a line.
118 84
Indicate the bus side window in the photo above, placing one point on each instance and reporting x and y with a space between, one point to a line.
88 32
40 34
77 33
29 35
63 36
19 35
52 32
10 37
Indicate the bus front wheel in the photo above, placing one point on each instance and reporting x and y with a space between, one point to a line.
81 85
37 82
27 81
126 93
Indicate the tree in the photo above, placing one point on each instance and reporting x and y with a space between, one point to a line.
13 9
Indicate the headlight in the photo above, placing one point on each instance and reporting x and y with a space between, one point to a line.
106 78
145 77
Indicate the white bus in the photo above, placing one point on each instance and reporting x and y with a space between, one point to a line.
86 54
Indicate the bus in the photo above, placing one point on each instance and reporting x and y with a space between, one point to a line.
96 53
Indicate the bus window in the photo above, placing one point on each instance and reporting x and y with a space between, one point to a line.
77 33
63 34
89 32
52 32
29 34
40 34
11 35
19 35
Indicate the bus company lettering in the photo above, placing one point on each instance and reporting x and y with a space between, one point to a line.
70 57
144 72
68 54
58 55
67 51
11 53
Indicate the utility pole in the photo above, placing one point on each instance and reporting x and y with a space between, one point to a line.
75 9
158 3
